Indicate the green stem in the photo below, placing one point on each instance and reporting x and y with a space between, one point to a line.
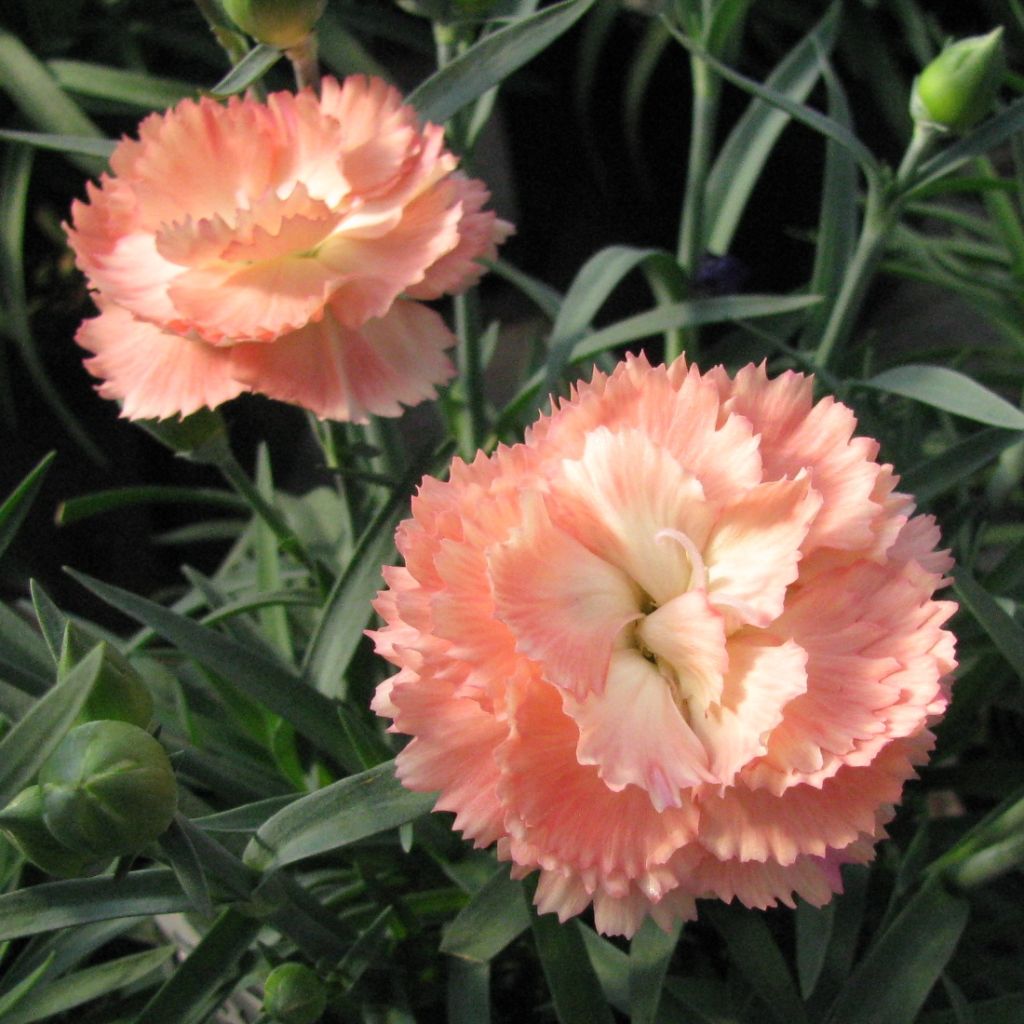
703 117
225 461
305 63
473 418
866 257
924 137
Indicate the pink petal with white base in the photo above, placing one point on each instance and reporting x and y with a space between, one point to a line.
564 605
636 734
754 549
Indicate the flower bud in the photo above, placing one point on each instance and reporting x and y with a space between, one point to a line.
957 89
118 693
108 789
280 23
22 820
293 994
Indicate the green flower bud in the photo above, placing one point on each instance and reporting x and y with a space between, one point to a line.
293 994
280 23
22 820
118 693
108 789
960 86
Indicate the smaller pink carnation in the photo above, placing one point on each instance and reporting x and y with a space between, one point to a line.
680 643
278 247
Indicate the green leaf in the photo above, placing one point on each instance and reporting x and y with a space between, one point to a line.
756 956
649 954
354 808
42 101
30 742
74 510
950 391
82 145
208 974
52 905
269 682
178 850
739 164
574 988
898 971
52 621
545 298
250 69
469 1000
91 983
813 931
20 992
24 659
958 464
986 137
19 501
495 916
492 60
247 818
100 81
1003 631
693 313
814 120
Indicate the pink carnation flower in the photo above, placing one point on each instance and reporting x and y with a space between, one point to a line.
276 247
680 643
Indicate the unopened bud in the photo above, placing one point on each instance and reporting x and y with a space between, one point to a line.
957 89
22 821
280 23
294 994
118 693
108 789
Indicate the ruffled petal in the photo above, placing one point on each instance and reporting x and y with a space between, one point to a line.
636 735
564 605
154 373
344 374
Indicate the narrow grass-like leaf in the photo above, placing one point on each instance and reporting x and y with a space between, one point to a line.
100 81
29 743
74 510
495 916
469 998
983 139
813 931
82 145
649 954
250 69
180 854
52 621
10 1000
19 501
52 905
273 619
354 808
898 971
958 464
64 994
1003 631
739 164
694 313
812 119
756 956
41 100
24 660
211 969
367 948
571 981
492 59
544 297
269 682
950 391
247 818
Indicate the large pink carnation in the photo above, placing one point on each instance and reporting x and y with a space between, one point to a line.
680 643
278 247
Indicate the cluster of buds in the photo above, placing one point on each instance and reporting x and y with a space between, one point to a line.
108 788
